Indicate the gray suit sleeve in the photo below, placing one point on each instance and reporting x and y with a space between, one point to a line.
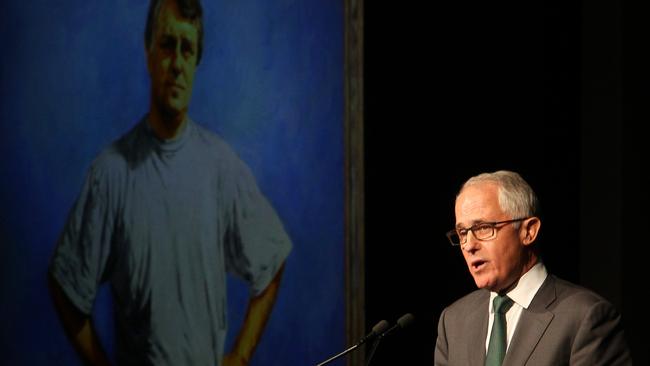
440 356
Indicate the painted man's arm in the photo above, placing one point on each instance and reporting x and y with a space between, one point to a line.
257 314
78 327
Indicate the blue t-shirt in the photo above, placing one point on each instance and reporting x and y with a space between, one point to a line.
163 221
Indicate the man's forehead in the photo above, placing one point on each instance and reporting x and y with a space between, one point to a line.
171 21
185 28
477 203
478 192
177 30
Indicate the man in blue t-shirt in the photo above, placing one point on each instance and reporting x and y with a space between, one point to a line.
164 213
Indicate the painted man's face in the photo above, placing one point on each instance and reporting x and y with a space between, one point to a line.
171 60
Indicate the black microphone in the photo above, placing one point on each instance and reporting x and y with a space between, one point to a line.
377 330
403 322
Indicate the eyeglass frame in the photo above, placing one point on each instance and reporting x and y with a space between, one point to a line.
492 224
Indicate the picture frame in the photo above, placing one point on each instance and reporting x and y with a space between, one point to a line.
81 82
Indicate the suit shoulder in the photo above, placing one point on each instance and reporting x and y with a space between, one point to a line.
468 301
575 298
580 294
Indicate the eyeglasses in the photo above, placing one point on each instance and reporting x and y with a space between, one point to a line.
481 231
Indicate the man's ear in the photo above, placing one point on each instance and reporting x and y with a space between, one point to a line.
529 230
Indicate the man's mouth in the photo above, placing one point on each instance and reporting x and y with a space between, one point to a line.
477 264
174 85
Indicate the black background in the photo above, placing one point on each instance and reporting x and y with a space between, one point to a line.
555 90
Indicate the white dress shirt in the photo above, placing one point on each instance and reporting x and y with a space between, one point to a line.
522 295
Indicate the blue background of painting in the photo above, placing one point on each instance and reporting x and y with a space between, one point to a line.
73 79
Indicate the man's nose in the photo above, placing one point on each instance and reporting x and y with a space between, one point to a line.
471 243
177 60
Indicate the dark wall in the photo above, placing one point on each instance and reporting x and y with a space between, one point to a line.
457 90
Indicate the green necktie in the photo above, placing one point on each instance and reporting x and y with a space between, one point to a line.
498 340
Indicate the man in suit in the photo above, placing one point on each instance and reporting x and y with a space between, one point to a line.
520 315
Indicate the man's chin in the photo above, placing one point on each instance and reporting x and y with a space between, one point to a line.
174 108
482 282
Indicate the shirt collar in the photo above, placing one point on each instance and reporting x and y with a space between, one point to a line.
173 144
527 287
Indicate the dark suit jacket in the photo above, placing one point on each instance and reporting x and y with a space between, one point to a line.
565 324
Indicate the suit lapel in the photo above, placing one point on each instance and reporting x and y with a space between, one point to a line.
532 325
478 323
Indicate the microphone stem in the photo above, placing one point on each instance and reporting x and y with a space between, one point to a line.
339 355
375 344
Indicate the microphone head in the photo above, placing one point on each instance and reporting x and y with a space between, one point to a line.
402 322
377 330
405 320
380 327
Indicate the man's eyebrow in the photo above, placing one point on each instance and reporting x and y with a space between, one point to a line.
474 222
165 35
187 39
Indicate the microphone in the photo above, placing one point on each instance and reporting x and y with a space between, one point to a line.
403 322
377 331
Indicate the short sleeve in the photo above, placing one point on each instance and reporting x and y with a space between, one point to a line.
256 243
82 251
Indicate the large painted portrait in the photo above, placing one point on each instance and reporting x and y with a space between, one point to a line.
181 183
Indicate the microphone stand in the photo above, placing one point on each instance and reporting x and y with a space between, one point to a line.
402 322
339 355
378 329
375 344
